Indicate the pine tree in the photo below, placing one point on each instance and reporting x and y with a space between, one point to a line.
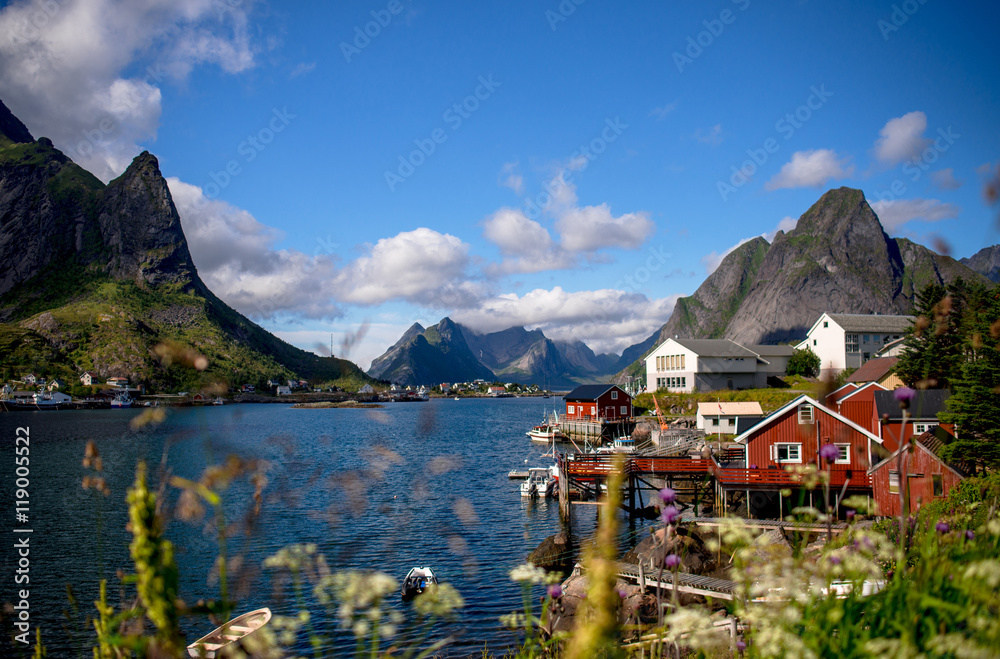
933 346
974 406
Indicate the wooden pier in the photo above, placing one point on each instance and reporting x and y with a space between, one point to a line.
701 478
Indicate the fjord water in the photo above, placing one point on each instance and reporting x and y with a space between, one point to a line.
383 489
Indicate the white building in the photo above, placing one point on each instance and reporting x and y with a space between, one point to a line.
842 340
683 365
723 417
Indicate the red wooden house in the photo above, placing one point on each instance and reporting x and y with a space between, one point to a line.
929 476
833 398
921 415
859 406
794 434
592 402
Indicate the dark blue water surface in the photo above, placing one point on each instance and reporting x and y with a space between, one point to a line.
387 489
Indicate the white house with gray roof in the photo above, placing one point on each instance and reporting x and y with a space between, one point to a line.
684 365
843 340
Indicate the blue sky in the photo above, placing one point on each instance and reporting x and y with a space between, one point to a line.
574 166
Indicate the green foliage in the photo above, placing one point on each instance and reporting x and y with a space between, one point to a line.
934 352
804 362
769 399
156 572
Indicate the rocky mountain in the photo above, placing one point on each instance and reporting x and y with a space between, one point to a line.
429 357
837 259
446 352
986 262
99 277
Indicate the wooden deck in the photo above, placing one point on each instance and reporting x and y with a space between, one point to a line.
686 583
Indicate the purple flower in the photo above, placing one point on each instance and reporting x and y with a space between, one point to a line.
753 466
622 594
970 535
670 515
741 646
850 515
829 452
834 560
672 561
903 396
555 591
942 527
668 495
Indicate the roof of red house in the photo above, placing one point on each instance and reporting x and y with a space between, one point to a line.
933 440
925 404
873 370
591 391
777 414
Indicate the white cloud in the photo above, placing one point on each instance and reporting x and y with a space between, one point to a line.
592 228
661 112
421 266
529 247
64 67
235 256
945 179
810 169
902 138
606 320
511 179
711 135
898 212
301 69
786 224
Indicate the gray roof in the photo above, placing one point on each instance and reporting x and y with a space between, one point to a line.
773 351
856 322
715 348
591 391
925 404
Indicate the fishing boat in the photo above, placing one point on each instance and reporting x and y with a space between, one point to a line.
416 581
122 399
541 482
547 431
218 401
230 633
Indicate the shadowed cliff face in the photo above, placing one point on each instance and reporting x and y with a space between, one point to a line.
986 262
141 227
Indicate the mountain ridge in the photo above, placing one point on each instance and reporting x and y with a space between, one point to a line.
100 278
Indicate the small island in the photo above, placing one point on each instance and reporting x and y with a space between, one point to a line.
326 404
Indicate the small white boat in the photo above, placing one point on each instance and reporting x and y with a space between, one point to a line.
541 482
218 401
457 398
122 399
232 632
416 581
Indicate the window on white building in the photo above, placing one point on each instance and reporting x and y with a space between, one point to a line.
852 343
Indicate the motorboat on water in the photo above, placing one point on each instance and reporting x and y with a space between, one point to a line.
229 634
417 580
620 445
218 401
541 482
122 399
547 431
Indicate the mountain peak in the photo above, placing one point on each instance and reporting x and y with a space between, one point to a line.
12 128
843 212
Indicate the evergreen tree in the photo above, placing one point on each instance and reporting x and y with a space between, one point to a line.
974 406
933 354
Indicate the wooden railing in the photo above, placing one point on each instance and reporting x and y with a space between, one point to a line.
590 465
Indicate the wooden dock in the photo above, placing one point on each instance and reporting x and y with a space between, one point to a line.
699 477
686 583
